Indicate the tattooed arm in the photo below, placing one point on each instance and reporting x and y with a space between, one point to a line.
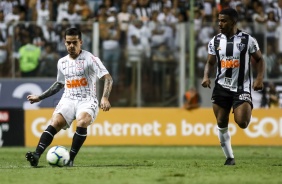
55 88
108 83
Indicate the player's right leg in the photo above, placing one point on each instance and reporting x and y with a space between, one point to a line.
57 123
222 116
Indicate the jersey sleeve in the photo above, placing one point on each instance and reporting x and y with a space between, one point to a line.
99 67
60 75
253 45
211 49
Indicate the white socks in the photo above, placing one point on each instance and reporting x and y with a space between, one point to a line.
225 141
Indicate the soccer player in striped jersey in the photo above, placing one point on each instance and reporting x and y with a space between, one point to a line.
77 74
231 51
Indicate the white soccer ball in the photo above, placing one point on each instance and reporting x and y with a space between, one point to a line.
58 156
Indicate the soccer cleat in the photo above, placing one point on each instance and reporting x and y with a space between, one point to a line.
69 163
33 158
230 161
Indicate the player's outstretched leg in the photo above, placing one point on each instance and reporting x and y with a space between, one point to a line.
45 140
33 158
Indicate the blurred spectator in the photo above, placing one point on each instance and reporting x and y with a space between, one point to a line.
160 32
61 48
43 14
142 33
245 26
156 5
31 10
143 10
123 19
167 17
29 55
50 33
130 5
210 10
70 15
102 15
192 99
205 34
135 51
48 62
271 62
111 48
198 5
259 98
13 16
278 11
86 30
7 6
108 4
62 9
82 8
259 21
278 41
134 58
161 57
112 12
271 26
198 21
272 96
241 10
37 38
202 55
3 49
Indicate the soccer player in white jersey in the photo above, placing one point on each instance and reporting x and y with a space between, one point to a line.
77 74
231 50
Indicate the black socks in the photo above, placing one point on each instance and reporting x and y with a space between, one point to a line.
45 139
78 140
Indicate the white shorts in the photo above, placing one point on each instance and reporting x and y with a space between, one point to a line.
70 109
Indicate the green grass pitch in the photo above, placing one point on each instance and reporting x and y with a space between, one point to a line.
147 165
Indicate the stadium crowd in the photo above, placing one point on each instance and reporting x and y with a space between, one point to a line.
31 35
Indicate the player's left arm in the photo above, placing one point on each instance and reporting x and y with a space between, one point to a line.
108 83
260 68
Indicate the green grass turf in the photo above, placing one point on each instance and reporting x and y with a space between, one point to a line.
147 165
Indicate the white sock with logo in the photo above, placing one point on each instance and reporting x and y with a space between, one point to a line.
225 142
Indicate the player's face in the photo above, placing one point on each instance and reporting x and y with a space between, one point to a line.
225 24
73 45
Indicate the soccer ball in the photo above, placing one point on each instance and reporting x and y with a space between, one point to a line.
58 156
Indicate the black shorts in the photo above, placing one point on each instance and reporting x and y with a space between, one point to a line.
227 99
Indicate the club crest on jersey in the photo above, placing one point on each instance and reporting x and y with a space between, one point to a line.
240 46
79 64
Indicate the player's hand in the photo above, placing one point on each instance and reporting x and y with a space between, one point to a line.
33 98
206 83
105 104
258 85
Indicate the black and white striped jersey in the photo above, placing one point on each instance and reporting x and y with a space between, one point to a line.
233 57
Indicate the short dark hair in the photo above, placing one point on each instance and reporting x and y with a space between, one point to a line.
232 13
73 32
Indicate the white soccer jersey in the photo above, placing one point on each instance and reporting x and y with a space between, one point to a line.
233 57
79 75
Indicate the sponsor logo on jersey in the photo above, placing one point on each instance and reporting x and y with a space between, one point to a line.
74 83
230 63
